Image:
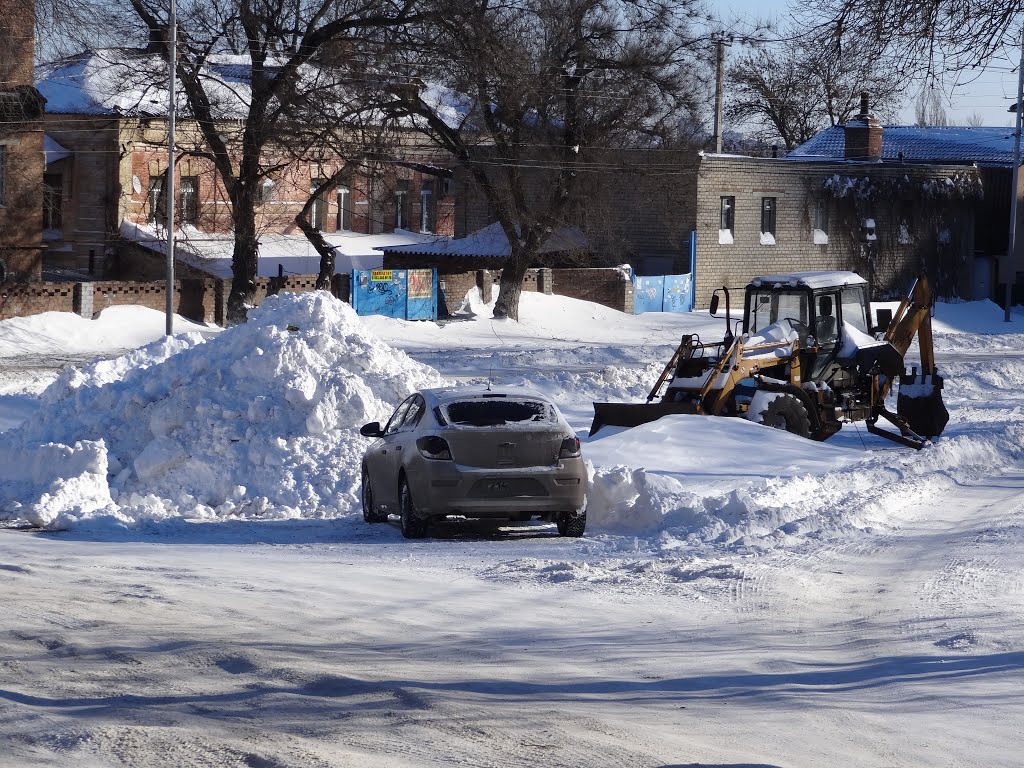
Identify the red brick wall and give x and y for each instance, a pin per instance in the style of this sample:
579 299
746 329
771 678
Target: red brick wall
21 300
204 300
601 286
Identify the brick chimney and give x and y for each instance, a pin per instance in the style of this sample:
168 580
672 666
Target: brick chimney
17 38
863 135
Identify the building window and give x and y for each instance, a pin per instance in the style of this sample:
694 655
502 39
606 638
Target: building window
154 199
402 205
768 209
726 220
820 232
53 194
427 207
188 199
319 209
266 191
344 223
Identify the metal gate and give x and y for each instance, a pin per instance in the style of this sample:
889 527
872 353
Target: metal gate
407 294
666 293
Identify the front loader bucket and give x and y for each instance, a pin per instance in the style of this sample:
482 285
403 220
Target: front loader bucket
920 404
634 414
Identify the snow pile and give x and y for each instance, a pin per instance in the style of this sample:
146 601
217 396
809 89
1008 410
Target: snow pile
700 483
261 420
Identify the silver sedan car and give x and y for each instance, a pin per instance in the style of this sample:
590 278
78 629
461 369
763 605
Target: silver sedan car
474 452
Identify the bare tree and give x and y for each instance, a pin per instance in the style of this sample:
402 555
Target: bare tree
926 37
266 90
797 87
521 92
929 110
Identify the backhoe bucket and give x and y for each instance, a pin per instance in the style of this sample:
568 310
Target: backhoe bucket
920 404
634 414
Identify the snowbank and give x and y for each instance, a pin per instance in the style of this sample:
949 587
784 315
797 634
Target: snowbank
261 420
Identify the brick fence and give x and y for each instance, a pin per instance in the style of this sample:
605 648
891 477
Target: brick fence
205 300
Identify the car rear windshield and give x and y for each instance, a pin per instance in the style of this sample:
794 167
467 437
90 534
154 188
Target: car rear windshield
495 412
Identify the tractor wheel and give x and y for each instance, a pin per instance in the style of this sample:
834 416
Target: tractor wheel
788 413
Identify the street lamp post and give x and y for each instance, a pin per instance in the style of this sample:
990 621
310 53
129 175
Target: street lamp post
1011 246
172 87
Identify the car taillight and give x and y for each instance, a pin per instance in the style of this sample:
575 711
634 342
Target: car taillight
570 448
434 447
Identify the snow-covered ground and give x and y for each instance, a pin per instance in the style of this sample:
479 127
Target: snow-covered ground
187 579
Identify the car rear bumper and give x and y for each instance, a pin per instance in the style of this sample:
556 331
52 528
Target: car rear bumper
453 489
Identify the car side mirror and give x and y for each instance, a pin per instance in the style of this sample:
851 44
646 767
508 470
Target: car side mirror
714 305
371 430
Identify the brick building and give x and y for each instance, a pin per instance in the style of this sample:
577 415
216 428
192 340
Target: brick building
885 221
883 201
21 146
111 167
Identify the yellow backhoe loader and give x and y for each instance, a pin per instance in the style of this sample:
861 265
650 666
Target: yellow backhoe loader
807 361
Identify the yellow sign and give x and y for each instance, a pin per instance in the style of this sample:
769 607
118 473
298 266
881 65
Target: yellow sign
381 275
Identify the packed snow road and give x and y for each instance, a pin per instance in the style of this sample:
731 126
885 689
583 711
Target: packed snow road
350 646
207 593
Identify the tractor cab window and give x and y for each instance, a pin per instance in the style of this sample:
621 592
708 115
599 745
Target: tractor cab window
853 312
826 323
772 306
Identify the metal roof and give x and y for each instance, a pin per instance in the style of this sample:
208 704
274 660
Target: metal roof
949 144
812 280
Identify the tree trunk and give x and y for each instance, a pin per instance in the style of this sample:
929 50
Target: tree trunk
245 257
325 249
511 286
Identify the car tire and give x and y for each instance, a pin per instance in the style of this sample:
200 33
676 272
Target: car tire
370 512
413 526
570 525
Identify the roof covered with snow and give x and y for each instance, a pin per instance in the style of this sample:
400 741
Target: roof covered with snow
811 279
293 254
949 144
491 242
133 82
52 149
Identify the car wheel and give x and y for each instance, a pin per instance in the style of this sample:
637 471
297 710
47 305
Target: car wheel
413 526
571 525
370 513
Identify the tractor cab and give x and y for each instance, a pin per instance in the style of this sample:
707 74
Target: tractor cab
821 308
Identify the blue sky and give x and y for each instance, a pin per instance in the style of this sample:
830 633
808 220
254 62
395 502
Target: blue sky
988 94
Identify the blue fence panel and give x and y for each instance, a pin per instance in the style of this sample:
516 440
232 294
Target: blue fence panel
648 294
407 294
678 294
421 302
666 293
379 292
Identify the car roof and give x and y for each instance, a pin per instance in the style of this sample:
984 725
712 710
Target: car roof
445 395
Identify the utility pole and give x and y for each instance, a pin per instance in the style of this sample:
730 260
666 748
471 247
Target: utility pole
1011 246
719 90
172 64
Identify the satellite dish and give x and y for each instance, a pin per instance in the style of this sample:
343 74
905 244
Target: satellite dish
136 185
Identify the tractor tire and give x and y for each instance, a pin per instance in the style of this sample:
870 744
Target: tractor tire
786 412
370 512
413 526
